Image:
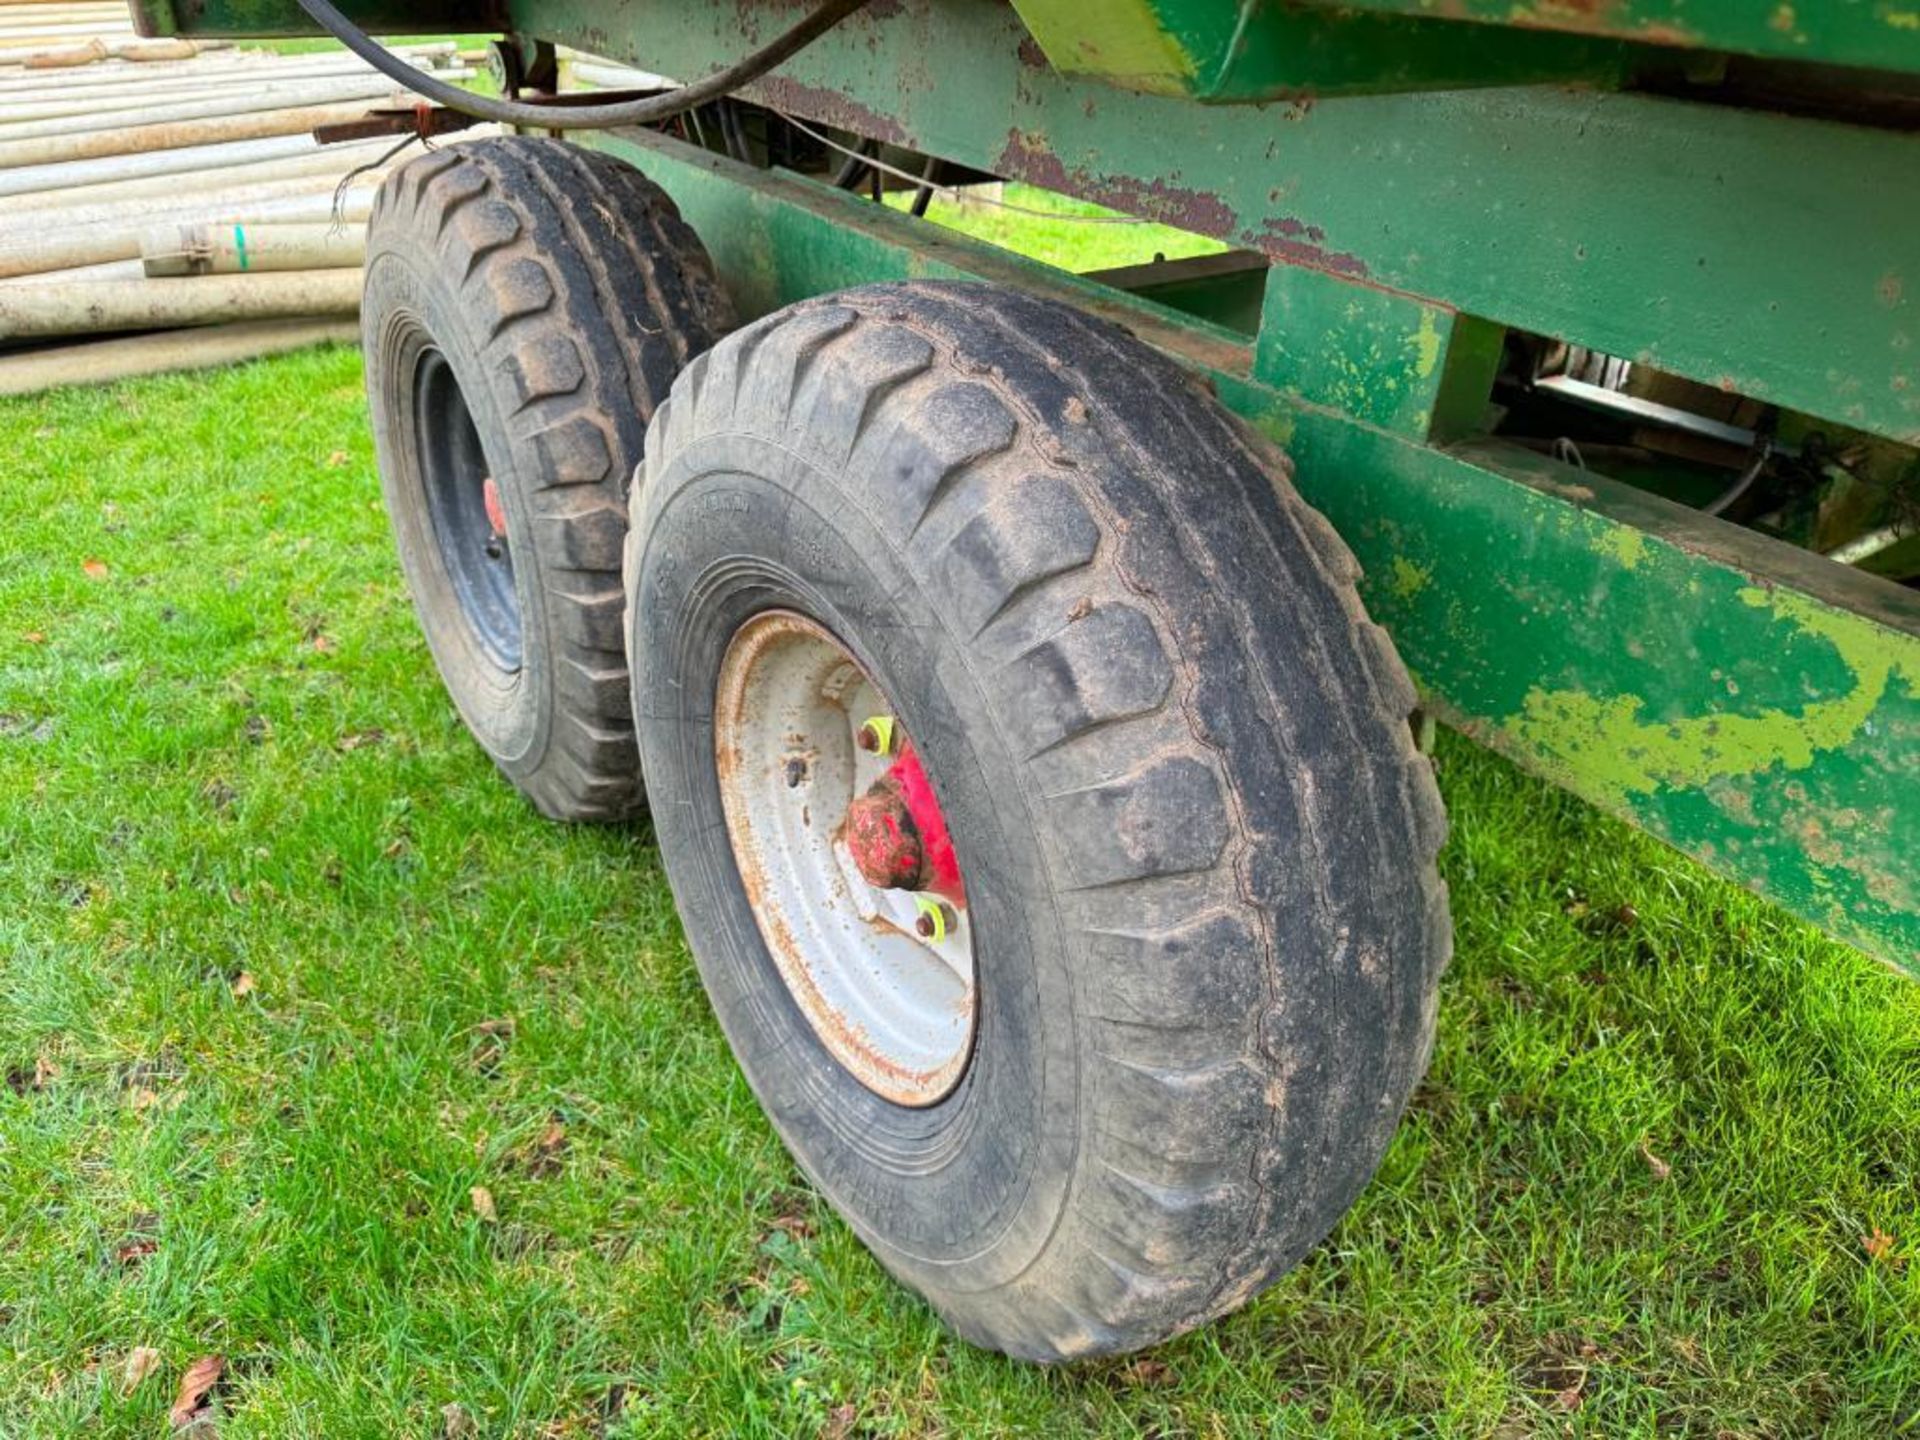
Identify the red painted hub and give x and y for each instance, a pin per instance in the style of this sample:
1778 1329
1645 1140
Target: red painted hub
898 835
496 513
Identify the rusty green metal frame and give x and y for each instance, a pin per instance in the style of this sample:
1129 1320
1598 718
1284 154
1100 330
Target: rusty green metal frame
1763 253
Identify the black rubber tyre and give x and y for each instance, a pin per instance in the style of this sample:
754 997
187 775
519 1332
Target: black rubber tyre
1175 757
527 306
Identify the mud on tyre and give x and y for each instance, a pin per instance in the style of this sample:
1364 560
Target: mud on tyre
1173 755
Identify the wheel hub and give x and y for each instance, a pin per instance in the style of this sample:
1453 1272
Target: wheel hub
846 859
897 834
464 505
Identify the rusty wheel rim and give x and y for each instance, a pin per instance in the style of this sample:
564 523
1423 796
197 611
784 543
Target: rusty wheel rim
883 974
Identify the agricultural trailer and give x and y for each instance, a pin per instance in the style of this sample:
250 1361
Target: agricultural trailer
1005 651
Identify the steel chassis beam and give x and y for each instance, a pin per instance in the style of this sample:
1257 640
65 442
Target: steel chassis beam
1764 253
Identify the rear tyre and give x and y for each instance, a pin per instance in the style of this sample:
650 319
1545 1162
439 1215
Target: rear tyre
1204 922
527 305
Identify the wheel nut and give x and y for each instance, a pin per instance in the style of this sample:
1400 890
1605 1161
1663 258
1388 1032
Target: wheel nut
935 921
876 735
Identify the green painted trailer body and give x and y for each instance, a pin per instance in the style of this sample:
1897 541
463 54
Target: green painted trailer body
1423 177
1236 50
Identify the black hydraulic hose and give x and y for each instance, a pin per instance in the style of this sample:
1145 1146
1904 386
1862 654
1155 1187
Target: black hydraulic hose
580 117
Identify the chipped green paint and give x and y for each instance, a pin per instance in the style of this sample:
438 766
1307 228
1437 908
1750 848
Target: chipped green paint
1376 355
1115 37
1627 546
1409 579
1426 344
1223 51
1605 747
1756 707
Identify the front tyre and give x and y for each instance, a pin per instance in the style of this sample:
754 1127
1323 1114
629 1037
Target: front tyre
1189 918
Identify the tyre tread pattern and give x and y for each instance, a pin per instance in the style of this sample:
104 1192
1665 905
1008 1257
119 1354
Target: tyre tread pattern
1244 832
594 295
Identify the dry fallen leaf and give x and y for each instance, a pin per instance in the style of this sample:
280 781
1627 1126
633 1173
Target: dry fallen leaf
143 1098
488 1051
1879 1245
839 1422
191 1401
141 1362
354 739
336 459
1660 1168
95 569
243 984
456 1423
35 637
21 1080
483 1203
132 1252
323 644
545 1156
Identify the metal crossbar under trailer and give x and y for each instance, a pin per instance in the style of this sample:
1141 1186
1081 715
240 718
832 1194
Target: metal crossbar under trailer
1590 327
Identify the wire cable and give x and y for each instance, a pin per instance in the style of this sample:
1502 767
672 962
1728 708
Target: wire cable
1723 502
580 117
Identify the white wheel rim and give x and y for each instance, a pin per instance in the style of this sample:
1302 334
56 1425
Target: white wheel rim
895 1008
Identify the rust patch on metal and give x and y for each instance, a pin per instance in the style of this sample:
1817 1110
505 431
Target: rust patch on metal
830 107
1292 242
1665 35
1027 156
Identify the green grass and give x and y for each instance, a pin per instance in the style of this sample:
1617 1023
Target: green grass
1057 229
1632 1197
